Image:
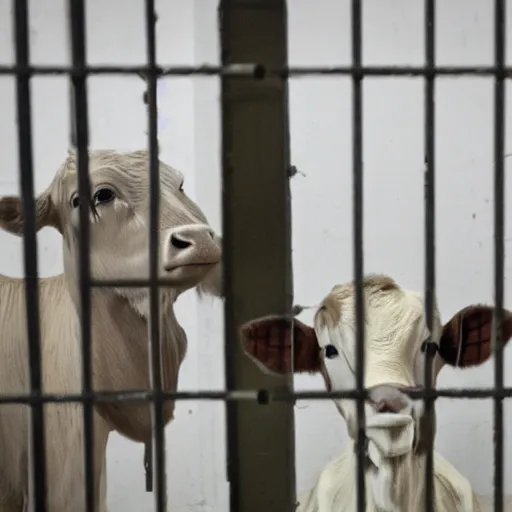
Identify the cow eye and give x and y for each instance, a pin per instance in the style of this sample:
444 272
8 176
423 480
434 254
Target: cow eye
429 348
75 201
331 351
104 195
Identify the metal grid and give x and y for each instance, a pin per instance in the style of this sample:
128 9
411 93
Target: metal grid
254 75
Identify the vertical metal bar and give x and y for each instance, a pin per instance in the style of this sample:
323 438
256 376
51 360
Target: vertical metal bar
24 111
430 249
230 356
358 209
148 465
155 367
499 248
80 137
256 248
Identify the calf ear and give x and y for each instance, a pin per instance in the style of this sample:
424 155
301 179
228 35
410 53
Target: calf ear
466 338
268 341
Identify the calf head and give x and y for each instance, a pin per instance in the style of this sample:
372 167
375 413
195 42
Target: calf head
395 352
119 219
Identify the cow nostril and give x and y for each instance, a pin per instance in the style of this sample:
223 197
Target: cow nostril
179 243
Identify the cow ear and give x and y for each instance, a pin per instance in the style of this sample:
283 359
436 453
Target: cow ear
466 338
268 342
12 219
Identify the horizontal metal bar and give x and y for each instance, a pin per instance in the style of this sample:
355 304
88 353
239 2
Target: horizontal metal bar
262 396
128 283
258 71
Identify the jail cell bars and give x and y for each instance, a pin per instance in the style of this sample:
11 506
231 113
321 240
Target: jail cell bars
254 75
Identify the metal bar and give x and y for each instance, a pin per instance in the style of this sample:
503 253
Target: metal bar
141 396
128 283
251 70
230 356
80 137
148 466
499 247
155 364
358 209
258 274
25 155
430 249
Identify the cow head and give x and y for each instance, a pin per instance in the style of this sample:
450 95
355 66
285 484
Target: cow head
119 219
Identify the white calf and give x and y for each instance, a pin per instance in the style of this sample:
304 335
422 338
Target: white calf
395 352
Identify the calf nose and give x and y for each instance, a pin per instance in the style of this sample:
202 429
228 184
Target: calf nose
386 398
389 405
190 245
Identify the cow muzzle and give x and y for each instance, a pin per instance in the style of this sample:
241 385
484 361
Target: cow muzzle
391 427
189 253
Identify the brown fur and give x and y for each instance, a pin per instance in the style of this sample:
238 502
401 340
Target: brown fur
269 341
474 323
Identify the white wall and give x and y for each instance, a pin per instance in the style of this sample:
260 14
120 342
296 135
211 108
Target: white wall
320 111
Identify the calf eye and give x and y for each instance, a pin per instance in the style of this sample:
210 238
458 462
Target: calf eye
75 201
103 195
330 351
429 347
181 186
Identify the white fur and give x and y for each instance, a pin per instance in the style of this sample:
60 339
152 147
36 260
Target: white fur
336 488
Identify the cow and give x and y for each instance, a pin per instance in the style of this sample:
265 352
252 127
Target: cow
189 256
396 426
